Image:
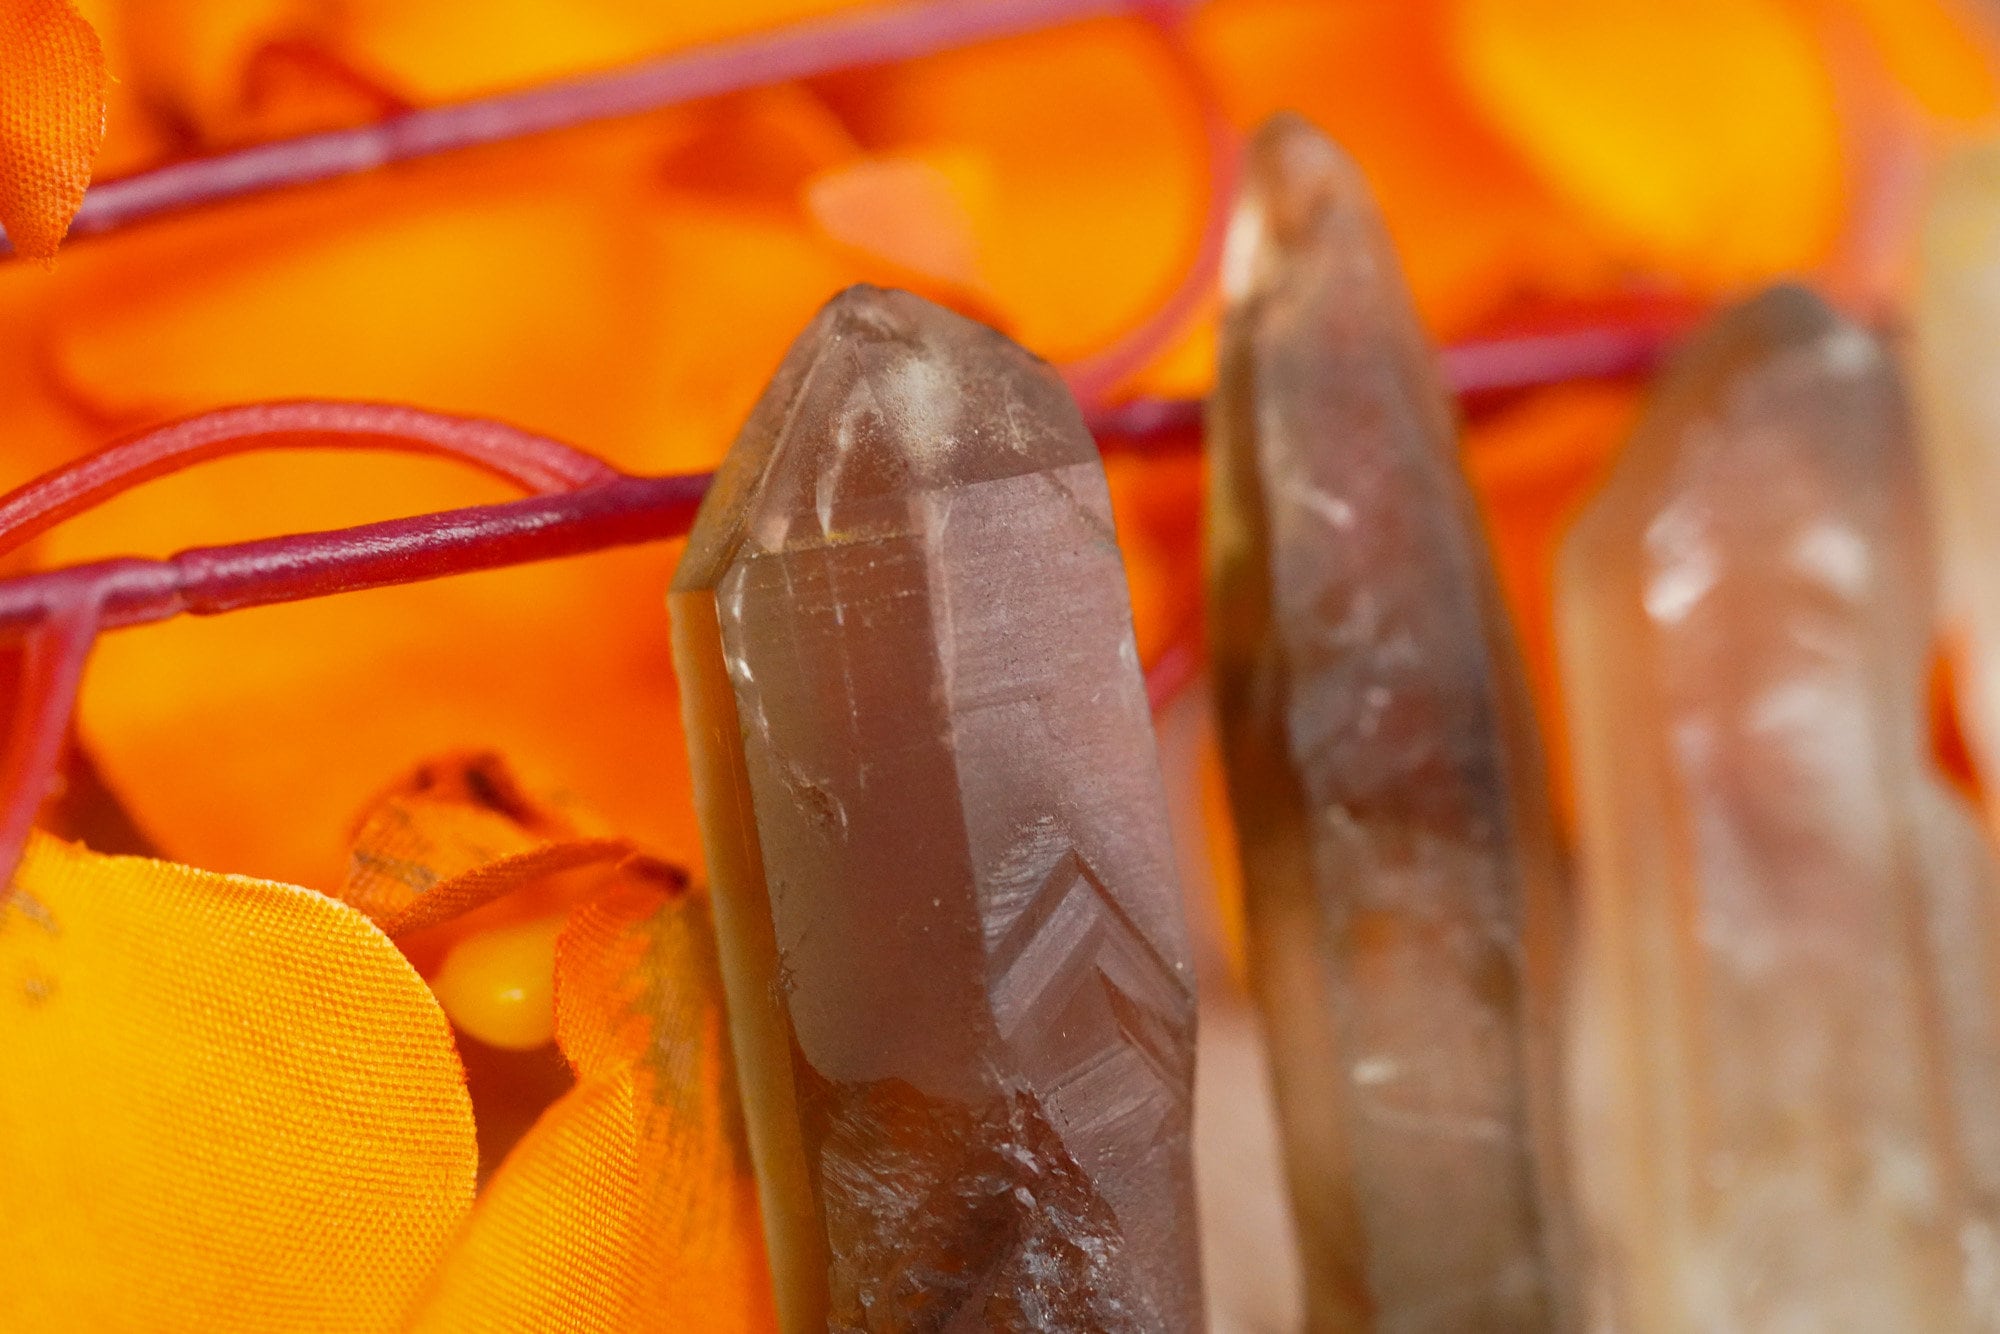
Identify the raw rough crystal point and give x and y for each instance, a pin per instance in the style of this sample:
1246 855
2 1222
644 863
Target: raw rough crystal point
1786 1103
933 814
1403 891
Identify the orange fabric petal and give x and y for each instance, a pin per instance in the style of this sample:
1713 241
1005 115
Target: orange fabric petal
474 874
758 148
1702 133
297 86
1949 746
1093 147
563 666
457 834
1932 48
1476 228
134 134
630 1205
551 1244
1157 505
638 988
445 900
190 56
500 292
51 119
556 286
917 212
443 50
229 1105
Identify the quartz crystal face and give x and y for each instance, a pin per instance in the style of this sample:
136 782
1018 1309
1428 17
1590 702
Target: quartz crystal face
1785 1095
1402 892
933 814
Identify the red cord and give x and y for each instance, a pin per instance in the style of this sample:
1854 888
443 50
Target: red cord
533 462
1094 378
52 661
867 38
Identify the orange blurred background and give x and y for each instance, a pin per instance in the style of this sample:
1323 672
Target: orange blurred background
629 286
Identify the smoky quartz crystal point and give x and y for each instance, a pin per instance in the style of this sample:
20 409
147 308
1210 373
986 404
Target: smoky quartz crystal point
1787 1115
957 970
1403 892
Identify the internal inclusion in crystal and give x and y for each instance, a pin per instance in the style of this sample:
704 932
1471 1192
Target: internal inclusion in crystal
934 820
1403 896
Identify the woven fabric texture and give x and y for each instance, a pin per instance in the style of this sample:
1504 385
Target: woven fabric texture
226 1105
52 84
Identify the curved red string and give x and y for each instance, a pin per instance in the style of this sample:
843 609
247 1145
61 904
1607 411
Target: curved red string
533 462
1094 378
51 671
803 50
57 614
63 612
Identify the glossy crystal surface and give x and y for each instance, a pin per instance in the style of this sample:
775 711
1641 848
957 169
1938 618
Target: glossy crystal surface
1402 889
933 813
1786 1098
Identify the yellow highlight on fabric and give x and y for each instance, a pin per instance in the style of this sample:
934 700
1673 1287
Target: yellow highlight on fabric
226 1105
1702 134
630 1206
233 1105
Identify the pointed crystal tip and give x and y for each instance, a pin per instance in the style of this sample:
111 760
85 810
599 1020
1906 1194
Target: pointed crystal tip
1782 321
1299 187
1781 428
884 395
1783 358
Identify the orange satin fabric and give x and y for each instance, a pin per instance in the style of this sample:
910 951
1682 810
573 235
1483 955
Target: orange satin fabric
52 81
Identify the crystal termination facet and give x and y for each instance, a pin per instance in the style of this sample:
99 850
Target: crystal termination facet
935 825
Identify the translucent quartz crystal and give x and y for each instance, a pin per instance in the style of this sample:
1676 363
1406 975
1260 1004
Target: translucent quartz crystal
1399 861
933 815
1785 1095
1957 326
